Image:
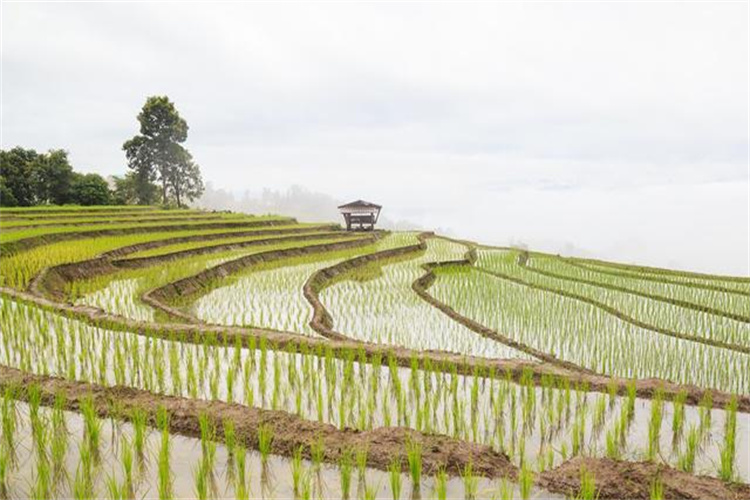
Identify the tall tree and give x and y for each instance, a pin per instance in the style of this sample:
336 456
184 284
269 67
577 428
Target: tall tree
157 153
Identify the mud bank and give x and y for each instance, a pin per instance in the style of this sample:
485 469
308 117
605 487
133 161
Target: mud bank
619 480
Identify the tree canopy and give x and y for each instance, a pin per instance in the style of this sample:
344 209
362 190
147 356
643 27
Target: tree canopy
157 154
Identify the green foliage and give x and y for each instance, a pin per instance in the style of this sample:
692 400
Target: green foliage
90 189
157 154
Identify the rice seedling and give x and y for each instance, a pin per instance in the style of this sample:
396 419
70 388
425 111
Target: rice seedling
164 480
345 472
441 484
686 461
242 479
414 458
471 482
297 470
525 481
394 474
265 440
587 488
656 492
654 426
729 446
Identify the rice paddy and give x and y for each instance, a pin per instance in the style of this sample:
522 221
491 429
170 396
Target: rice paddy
559 352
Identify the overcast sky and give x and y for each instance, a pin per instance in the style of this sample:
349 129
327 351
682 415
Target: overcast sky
608 129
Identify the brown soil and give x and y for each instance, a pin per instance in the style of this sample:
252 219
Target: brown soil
632 480
289 431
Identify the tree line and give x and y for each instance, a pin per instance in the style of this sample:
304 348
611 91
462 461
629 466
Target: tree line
160 169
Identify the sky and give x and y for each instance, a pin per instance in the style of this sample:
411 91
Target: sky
612 130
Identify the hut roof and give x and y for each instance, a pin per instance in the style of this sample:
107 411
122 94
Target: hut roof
360 204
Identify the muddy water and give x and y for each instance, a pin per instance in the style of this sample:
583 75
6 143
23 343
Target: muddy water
272 480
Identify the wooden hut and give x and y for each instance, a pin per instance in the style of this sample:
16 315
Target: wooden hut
360 215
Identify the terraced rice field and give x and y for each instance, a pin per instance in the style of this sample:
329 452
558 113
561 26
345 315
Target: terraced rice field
151 353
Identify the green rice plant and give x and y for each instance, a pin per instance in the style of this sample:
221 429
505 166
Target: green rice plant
317 453
115 491
361 459
345 472
9 422
370 492
394 473
613 442
686 462
92 426
126 459
525 481
265 440
654 426
201 480
241 481
83 482
230 439
297 470
729 446
441 483
42 488
58 451
164 476
678 415
706 404
414 457
471 482
4 468
656 491
587 488
504 490
139 419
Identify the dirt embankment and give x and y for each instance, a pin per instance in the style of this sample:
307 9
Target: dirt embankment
11 247
289 431
160 298
617 480
682 303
